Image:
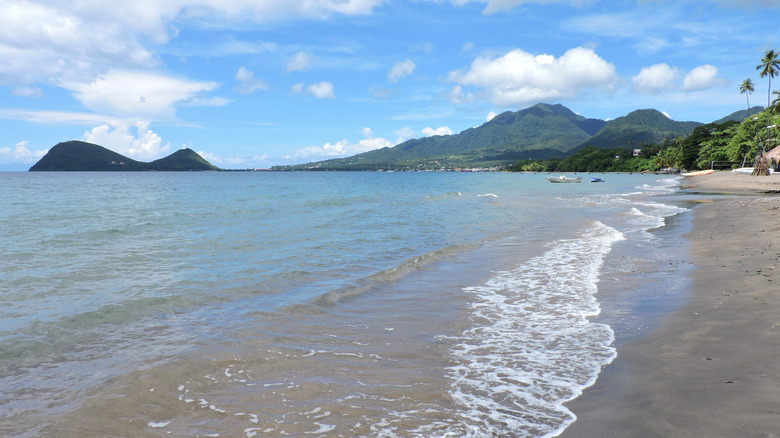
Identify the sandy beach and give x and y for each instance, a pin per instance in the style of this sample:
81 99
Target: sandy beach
712 369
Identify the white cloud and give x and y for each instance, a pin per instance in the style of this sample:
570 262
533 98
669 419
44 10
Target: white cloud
342 148
28 91
404 134
620 25
20 154
298 88
403 68
140 94
491 115
441 130
235 162
651 45
702 78
55 117
662 77
53 41
518 77
656 78
493 6
248 82
320 90
145 147
300 62
458 95
65 42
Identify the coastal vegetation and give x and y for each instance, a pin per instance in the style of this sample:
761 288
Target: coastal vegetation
714 145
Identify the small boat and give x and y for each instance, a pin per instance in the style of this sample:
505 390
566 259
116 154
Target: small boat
596 179
698 173
749 170
564 179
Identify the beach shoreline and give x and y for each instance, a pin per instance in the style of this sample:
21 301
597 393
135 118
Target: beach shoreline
710 369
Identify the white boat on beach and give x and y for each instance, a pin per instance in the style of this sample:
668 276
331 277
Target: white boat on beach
564 179
749 170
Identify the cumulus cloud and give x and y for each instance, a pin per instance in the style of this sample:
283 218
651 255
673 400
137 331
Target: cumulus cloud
72 41
20 154
300 62
403 68
441 130
140 94
518 77
661 77
701 78
342 148
142 145
320 90
656 78
248 82
491 115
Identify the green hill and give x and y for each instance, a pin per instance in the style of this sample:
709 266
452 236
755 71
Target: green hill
183 159
640 126
82 156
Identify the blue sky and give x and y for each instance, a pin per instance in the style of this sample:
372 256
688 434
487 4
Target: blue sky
256 83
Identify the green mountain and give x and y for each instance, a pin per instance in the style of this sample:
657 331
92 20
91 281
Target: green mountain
82 156
540 131
640 126
740 116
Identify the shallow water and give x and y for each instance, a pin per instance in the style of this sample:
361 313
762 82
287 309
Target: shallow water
312 304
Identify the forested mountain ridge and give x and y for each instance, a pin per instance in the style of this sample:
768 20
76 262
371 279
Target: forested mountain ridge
639 127
539 132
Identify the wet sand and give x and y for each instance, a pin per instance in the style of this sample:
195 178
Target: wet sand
712 369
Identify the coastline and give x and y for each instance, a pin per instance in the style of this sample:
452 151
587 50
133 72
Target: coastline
710 369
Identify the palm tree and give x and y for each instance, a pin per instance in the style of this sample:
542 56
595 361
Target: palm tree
747 88
770 66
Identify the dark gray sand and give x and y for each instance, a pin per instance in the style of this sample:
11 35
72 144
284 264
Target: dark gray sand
712 369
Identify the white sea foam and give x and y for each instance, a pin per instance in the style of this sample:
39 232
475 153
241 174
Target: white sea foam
532 346
159 424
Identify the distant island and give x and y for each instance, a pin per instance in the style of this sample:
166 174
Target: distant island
87 157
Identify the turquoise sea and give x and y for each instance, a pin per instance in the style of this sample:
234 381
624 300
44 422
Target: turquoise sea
270 304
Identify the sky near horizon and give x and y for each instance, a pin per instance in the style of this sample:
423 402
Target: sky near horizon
257 83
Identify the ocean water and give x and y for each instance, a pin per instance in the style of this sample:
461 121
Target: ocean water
264 304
